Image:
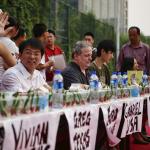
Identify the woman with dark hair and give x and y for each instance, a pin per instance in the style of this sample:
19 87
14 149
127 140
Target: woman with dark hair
129 63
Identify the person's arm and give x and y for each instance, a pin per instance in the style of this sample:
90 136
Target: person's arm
7 56
70 77
10 82
44 66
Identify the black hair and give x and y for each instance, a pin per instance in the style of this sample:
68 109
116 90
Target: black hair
52 31
12 22
106 45
39 29
34 43
89 34
21 32
127 64
137 29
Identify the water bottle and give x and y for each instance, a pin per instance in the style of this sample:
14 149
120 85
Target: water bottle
114 80
94 86
145 79
114 85
119 80
57 97
57 82
94 81
125 80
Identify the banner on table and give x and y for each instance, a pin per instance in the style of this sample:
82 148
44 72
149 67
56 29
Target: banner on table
133 113
148 110
112 118
82 126
36 131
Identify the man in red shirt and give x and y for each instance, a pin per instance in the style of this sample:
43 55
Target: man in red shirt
51 50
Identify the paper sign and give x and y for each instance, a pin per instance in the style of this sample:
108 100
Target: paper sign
82 126
133 114
31 132
112 117
59 61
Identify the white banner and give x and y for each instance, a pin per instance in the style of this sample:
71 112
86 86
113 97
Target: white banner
83 126
133 114
112 116
35 131
148 110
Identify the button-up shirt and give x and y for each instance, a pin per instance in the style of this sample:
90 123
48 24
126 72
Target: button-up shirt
141 53
18 79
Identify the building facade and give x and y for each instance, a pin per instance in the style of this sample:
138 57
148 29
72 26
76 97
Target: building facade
107 10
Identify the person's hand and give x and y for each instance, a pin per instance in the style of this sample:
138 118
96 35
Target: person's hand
3 22
49 64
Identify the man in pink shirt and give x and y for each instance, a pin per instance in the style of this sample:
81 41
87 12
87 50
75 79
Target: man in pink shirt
137 49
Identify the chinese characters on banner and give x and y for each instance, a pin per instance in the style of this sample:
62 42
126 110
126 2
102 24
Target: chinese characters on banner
31 132
133 113
83 126
112 117
148 110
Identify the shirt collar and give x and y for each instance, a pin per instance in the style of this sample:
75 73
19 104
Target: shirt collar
139 46
25 73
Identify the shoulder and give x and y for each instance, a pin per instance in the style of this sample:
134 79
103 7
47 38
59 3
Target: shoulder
145 45
58 48
125 45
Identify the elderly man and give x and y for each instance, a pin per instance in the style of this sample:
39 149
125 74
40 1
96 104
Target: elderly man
137 49
76 70
24 76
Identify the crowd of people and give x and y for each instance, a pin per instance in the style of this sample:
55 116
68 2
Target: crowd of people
25 63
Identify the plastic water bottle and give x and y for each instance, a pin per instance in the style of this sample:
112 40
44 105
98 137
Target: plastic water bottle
57 82
119 79
94 86
145 79
114 80
125 80
114 85
57 96
94 81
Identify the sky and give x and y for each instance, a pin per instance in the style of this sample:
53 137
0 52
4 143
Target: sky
138 15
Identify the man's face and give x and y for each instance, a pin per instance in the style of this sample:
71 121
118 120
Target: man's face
84 59
51 39
106 56
30 58
134 37
89 40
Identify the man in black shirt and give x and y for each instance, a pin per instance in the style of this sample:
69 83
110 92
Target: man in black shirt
76 72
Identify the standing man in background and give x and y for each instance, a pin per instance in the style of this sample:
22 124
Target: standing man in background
89 39
137 49
51 50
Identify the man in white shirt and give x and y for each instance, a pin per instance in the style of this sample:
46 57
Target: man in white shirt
24 76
